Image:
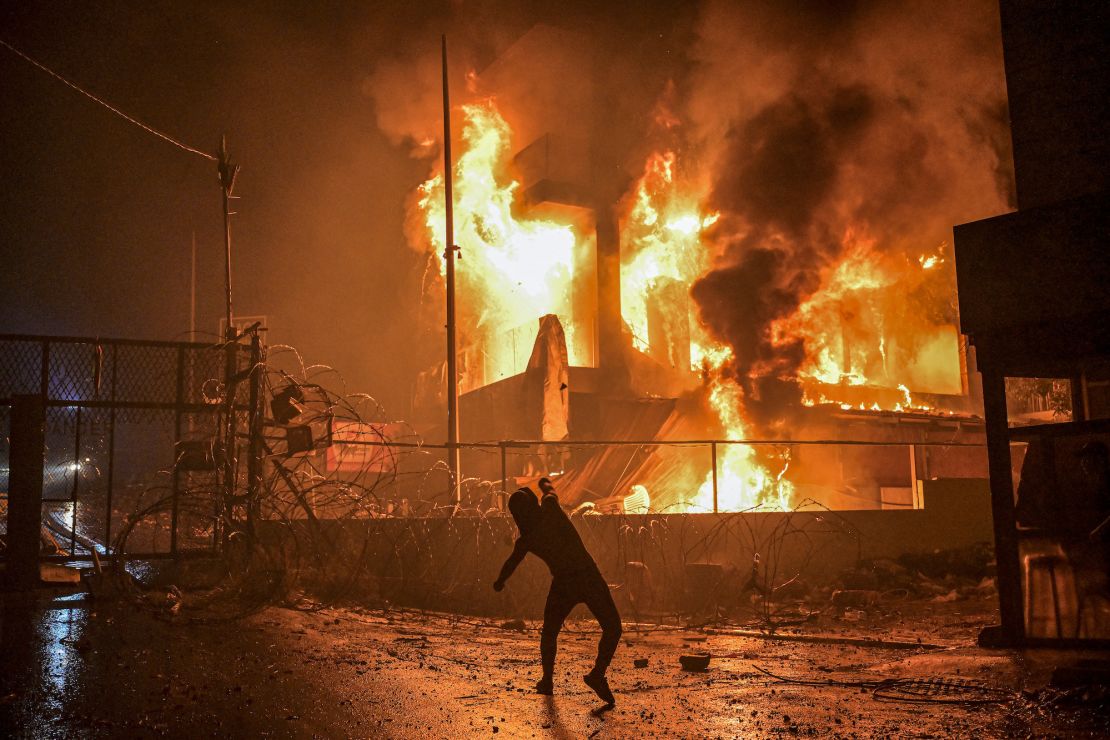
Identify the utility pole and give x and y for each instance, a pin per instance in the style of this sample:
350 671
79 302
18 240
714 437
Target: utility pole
193 293
228 172
193 315
449 258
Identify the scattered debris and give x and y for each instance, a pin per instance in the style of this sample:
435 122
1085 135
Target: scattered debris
173 600
969 563
876 587
936 690
1089 674
695 662
835 640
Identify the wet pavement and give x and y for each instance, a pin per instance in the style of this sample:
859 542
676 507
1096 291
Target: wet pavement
82 669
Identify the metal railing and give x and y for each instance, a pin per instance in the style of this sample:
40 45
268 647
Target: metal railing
919 461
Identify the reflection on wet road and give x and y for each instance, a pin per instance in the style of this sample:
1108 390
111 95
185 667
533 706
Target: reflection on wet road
109 669
41 640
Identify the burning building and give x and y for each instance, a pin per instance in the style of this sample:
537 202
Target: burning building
654 269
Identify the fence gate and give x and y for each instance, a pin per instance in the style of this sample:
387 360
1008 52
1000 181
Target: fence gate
129 423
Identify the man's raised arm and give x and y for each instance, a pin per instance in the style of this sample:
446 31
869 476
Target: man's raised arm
549 502
550 508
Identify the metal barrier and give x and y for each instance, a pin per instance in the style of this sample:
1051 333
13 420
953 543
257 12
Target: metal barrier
858 474
120 413
129 422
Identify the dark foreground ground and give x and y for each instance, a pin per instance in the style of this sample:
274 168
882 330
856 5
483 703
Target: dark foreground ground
73 669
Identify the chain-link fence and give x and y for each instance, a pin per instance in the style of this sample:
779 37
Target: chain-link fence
126 420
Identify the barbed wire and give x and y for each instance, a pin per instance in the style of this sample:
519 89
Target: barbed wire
369 519
320 539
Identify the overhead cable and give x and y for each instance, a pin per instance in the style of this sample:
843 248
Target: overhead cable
117 111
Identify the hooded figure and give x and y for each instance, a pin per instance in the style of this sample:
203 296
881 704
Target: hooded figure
525 510
546 532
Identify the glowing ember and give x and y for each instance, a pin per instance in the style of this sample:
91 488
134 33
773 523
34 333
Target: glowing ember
928 262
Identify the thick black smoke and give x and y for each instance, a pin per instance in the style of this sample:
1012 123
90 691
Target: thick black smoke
880 122
783 169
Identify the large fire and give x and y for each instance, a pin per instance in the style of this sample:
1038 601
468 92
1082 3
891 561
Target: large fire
662 254
867 340
521 268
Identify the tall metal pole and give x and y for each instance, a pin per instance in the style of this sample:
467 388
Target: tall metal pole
713 449
193 293
449 258
192 316
228 172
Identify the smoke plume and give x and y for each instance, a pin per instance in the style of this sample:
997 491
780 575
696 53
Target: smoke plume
827 123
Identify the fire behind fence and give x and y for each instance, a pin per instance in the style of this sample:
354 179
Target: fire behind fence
330 498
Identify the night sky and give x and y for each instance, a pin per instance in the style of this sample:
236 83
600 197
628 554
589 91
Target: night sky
98 215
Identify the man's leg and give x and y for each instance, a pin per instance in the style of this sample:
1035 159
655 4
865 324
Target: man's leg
560 601
600 602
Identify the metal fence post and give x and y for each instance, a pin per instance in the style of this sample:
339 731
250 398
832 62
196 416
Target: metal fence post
714 449
111 458
1007 554
915 488
504 477
231 366
254 430
179 400
28 448
76 482
44 372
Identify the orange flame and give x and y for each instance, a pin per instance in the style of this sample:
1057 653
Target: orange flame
866 343
662 254
514 270
861 334
661 246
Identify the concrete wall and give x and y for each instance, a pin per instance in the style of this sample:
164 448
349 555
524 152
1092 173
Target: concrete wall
448 564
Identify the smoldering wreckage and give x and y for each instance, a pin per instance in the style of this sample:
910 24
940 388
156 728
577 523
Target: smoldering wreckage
745 376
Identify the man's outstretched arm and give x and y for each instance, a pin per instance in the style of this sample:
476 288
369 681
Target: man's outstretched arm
520 549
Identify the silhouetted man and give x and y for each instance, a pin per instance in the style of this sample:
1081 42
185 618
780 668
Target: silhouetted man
546 531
